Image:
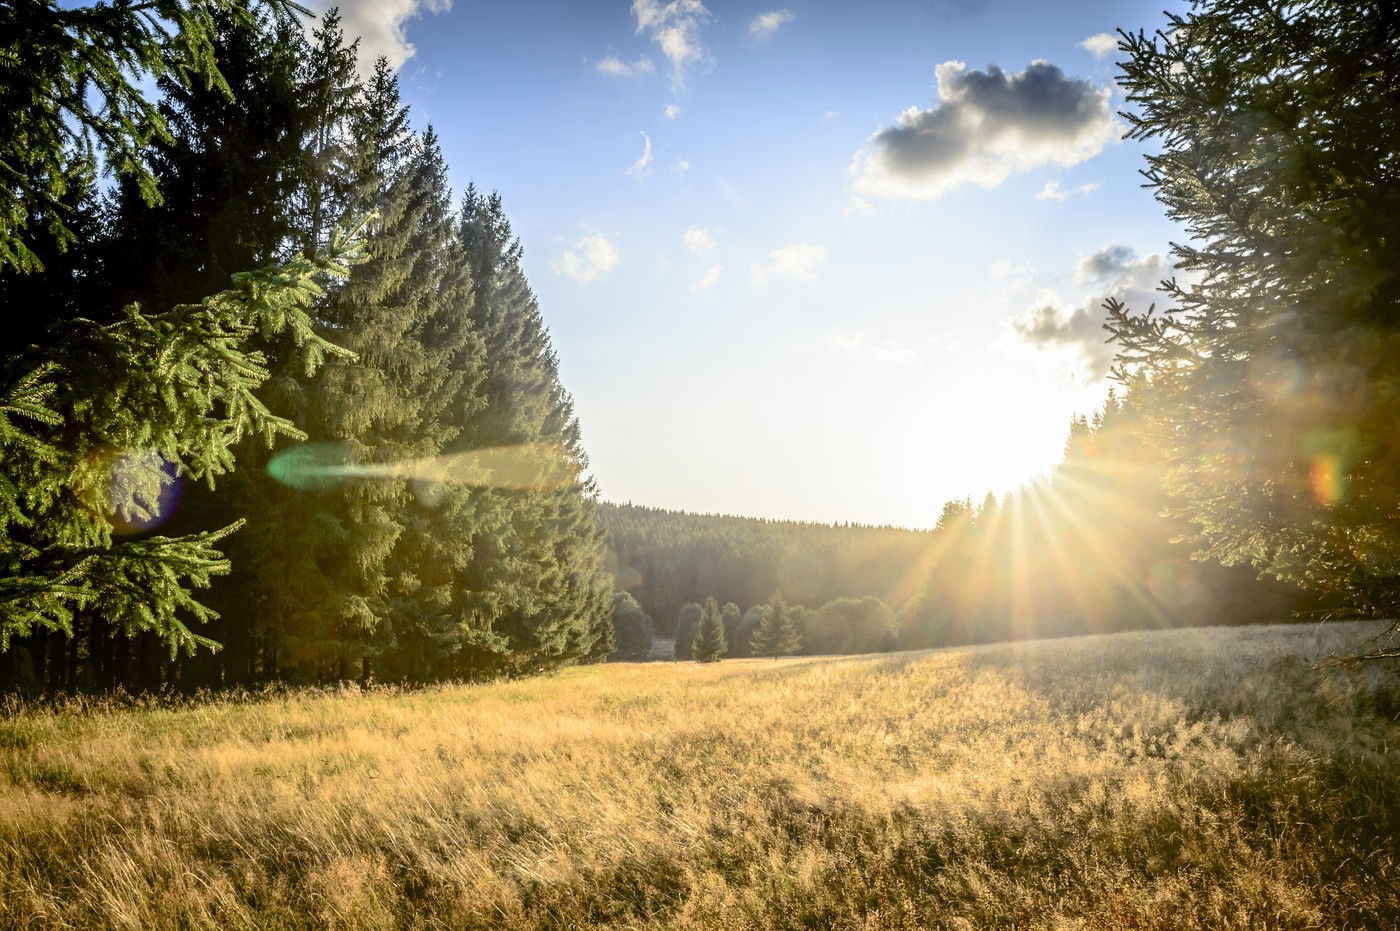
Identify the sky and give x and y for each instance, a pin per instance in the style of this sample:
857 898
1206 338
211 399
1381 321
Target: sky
816 260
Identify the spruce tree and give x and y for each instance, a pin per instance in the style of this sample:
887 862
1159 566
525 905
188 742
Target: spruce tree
370 412
1272 381
741 644
228 170
235 175
115 402
709 645
74 87
113 414
776 635
438 514
534 593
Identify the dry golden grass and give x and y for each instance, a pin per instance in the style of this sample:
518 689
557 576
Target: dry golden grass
1164 780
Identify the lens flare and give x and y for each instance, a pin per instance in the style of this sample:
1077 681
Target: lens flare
144 491
525 467
1326 480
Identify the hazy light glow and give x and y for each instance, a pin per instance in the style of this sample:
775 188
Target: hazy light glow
530 466
700 366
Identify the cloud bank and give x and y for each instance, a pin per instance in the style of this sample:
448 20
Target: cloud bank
590 257
986 126
379 25
1114 271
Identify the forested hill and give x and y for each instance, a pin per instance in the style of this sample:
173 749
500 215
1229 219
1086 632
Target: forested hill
667 558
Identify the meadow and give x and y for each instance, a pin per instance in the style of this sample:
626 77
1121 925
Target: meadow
1201 778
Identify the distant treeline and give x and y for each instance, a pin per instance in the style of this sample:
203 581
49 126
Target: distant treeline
668 558
366 533
1086 550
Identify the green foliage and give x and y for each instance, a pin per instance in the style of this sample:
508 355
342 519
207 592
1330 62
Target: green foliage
687 625
680 557
536 593
730 616
850 625
112 415
416 560
1272 387
709 644
777 634
632 629
71 86
739 644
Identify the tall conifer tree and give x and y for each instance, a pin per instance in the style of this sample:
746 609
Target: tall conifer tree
535 592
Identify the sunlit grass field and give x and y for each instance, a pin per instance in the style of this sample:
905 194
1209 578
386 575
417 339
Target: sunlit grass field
1160 780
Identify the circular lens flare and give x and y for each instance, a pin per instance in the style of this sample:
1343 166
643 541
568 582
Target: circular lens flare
145 491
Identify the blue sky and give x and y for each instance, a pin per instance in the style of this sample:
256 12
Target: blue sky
781 298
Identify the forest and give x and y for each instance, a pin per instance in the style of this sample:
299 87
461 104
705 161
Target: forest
278 290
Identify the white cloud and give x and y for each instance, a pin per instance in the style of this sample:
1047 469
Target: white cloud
859 341
1114 271
675 26
857 206
798 260
697 241
707 280
672 111
619 68
765 24
845 339
591 257
985 126
641 168
379 25
1008 282
681 167
1053 191
1100 44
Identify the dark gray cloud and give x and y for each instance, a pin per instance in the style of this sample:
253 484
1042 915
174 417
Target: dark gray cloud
985 126
1115 271
1108 263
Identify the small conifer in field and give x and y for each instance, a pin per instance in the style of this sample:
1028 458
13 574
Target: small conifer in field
709 643
776 635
